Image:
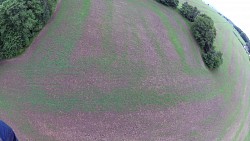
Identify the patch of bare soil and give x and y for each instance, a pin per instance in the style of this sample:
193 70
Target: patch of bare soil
172 83
57 84
90 45
183 122
160 35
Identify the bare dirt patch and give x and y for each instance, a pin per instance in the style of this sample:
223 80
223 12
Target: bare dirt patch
119 30
170 84
90 45
161 36
58 84
175 123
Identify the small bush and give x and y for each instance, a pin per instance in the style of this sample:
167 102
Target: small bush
204 32
172 3
189 11
212 59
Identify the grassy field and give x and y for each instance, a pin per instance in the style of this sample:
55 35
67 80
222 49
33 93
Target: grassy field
125 70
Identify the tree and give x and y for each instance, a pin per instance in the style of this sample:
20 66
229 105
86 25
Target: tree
189 11
212 59
16 25
20 21
204 32
172 3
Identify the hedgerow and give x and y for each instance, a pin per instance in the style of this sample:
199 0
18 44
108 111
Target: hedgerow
172 3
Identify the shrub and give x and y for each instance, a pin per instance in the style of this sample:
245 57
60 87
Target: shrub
172 3
20 22
212 59
204 32
189 11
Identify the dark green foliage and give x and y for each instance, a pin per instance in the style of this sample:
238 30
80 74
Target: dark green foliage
242 34
212 59
204 32
172 3
189 11
244 37
238 29
1 1
20 22
248 44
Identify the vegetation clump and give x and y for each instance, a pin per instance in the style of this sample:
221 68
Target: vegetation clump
172 3
189 11
212 59
205 33
203 30
20 21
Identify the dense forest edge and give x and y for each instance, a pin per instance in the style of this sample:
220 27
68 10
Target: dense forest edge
21 21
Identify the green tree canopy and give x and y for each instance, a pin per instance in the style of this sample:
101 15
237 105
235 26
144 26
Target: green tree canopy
204 32
212 59
172 3
20 22
189 11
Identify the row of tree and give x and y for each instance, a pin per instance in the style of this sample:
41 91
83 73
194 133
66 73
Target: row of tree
172 3
244 36
203 31
20 21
